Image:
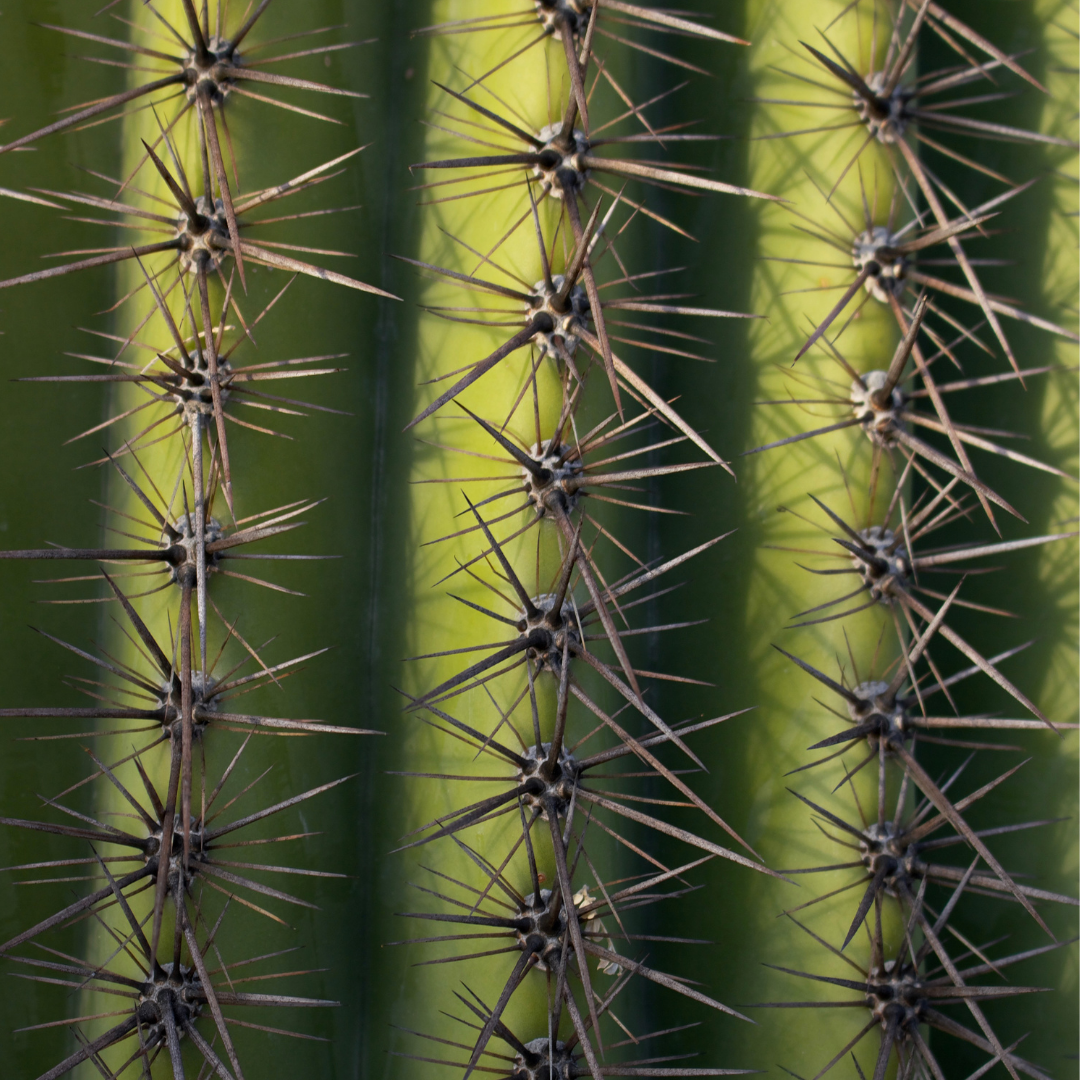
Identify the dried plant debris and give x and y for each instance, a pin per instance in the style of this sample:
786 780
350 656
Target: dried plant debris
558 932
565 845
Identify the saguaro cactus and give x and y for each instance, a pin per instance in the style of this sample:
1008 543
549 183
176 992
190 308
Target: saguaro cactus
648 649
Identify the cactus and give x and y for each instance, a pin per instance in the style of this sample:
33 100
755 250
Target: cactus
746 298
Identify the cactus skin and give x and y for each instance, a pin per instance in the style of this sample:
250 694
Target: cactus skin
1041 238
753 590
40 494
375 522
435 621
758 589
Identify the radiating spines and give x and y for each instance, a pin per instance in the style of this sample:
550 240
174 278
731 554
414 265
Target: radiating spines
579 27
571 781
197 232
559 478
905 869
889 714
210 65
894 262
571 166
565 1051
172 696
180 534
885 404
919 984
892 106
892 714
569 319
878 401
576 933
555 481
175 377
146 848
213 64
892 720
552 778
153 694
169 548
884 554
555 315
550 627
174 994
889 108
892 853
199 241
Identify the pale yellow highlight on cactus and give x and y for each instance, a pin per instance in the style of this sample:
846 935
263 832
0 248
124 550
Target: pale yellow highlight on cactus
437 622
163 464
138 316
160 470
783 478
795 298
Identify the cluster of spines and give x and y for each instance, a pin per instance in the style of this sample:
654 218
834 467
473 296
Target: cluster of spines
905 895
579 771
168 885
